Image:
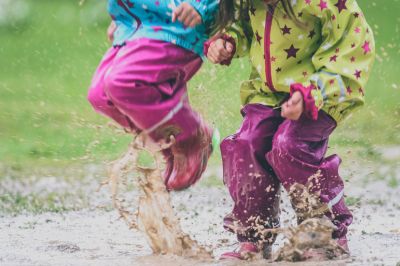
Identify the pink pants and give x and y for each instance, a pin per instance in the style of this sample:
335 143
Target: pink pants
142 86
269 151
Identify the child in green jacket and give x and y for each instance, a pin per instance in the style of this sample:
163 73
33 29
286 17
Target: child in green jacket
311 60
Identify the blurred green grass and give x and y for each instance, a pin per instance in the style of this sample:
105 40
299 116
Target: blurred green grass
48 59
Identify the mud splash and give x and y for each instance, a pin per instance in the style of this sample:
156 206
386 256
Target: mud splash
312 238
307 204
155 215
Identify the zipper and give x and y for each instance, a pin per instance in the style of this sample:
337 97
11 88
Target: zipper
267 47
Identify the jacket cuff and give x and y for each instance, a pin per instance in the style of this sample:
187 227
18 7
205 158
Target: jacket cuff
226 38
200 8
310 110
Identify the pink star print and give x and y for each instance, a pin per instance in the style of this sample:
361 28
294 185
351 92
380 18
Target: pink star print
357 30
323 5
291 52
157 28
366 47
308 2
341 5
357 74
259 38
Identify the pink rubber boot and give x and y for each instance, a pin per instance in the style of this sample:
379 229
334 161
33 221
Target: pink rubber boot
190 159
245 251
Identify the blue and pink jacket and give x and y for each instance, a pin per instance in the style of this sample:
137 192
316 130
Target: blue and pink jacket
152 19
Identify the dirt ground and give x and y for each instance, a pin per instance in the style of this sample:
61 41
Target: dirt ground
94 235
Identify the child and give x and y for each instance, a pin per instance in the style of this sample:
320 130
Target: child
141 81
312 59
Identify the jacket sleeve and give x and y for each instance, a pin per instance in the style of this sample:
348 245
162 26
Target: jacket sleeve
206 8
343 61
242 35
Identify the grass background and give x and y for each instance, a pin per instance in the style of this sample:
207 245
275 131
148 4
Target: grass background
47 60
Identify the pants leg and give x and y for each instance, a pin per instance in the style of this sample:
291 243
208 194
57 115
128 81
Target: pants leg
147 82
252 184
298 153
97 97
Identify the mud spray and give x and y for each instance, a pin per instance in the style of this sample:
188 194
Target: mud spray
312 238
155 215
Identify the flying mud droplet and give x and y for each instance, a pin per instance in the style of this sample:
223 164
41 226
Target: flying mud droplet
155 216
312 238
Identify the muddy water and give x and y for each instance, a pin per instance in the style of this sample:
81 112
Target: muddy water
93 235
312 236
155 216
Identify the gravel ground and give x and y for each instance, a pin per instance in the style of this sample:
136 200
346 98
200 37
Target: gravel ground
87 231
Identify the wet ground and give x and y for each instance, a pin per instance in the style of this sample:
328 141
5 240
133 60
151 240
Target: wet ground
89 232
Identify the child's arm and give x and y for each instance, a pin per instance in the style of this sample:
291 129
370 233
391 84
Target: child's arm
242 35
220 49
234 42
110 31
193 12
343 61
294 107
206 8
186 14
239 35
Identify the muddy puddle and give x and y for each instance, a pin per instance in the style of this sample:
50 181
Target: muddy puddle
155 216
94 234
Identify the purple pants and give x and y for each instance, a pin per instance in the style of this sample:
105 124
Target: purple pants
142 86
268 151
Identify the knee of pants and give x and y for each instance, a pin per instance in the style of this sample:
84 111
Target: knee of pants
112 86
305 151
239 144
124 90
97 99
284 143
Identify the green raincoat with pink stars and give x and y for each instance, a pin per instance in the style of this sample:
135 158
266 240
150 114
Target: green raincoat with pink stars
328 56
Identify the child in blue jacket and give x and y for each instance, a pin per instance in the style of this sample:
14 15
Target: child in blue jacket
141 81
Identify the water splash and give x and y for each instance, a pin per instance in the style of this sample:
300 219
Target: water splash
155 216
312 238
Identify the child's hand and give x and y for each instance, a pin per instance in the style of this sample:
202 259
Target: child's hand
110 31
219 50
293 108
186 14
